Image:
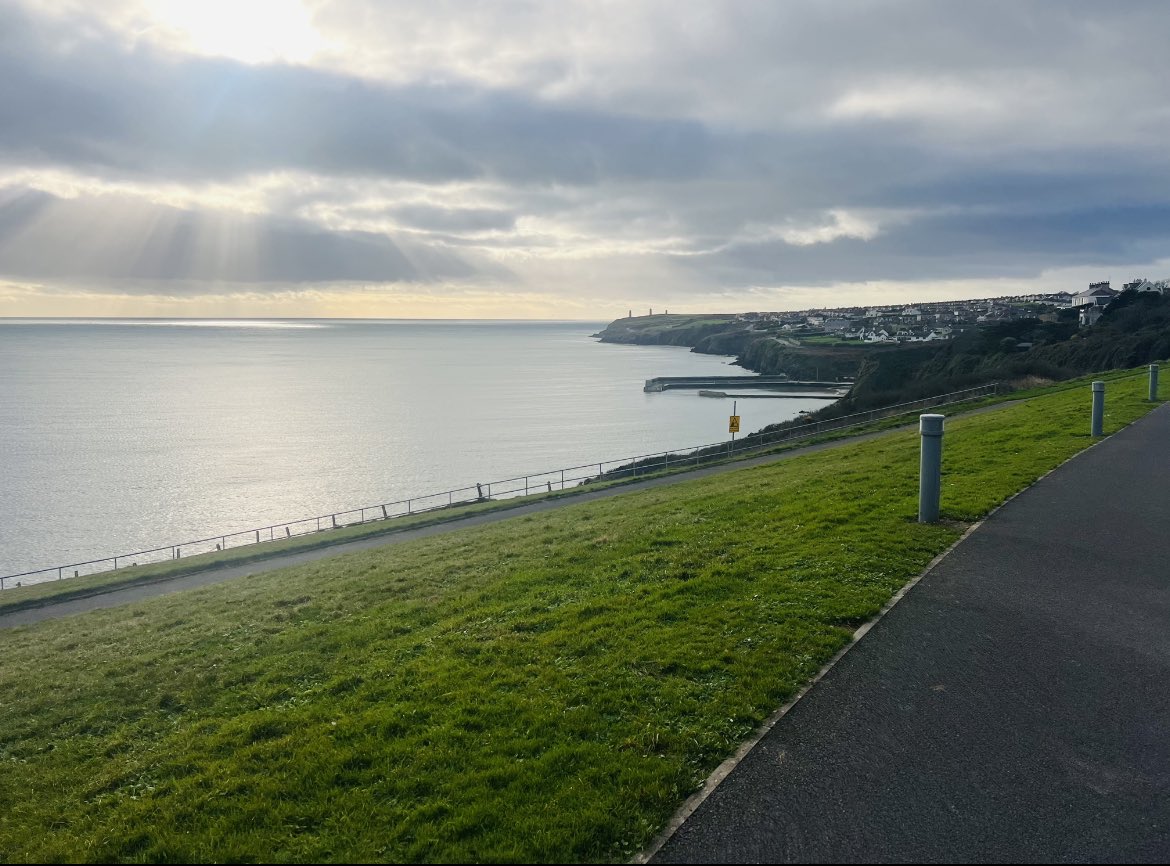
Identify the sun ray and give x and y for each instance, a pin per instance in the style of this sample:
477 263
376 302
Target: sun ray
251 31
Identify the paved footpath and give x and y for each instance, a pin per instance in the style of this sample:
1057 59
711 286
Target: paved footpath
1014 706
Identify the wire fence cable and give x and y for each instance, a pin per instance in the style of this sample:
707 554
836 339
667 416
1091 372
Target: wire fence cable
526 485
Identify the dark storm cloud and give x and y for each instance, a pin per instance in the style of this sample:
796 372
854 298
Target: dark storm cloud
956 246
113 238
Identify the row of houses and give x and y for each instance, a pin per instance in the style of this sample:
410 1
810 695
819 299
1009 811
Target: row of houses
1100 294
939 320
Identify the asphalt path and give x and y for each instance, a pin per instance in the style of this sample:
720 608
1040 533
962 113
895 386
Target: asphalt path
115 597
1013 707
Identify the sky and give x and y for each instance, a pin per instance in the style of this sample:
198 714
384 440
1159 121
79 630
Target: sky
574 160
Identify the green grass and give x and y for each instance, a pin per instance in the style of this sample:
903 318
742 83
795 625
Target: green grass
827 340
663 322
35 595
546 688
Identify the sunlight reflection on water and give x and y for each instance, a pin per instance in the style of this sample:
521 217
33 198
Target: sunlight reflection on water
119 437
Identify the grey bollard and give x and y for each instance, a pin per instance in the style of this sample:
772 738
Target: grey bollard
930 467
1153 383
1098 408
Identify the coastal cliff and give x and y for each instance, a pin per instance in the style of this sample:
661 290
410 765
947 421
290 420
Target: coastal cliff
1133 330
708 335
756 350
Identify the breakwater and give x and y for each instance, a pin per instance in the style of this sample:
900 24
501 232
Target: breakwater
771 383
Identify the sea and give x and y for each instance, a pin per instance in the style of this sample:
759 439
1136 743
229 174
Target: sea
128 434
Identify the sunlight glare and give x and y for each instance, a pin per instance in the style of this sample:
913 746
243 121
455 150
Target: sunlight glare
251 31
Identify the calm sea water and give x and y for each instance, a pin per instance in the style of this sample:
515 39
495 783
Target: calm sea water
122 435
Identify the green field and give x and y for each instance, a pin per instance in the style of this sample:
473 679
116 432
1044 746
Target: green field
547 688
827 340
36 595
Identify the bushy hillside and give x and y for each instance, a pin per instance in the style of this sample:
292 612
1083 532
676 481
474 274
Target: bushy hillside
1134 330
770 356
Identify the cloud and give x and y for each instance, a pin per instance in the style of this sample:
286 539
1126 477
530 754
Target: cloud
834 225
954 246
141 113
694 150
449 219
108 238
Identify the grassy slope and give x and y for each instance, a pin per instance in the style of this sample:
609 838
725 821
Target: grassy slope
546 688
17 598
665 322
36 595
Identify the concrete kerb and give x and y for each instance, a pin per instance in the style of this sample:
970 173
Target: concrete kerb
721 772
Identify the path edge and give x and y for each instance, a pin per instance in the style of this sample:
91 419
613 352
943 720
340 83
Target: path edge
692 803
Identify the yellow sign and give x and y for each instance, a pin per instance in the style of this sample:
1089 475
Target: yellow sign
733 426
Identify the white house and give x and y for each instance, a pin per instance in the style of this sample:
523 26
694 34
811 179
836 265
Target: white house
1098 294
1142 285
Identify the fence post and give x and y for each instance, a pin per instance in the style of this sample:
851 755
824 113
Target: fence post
1098 428
930 467
1153 383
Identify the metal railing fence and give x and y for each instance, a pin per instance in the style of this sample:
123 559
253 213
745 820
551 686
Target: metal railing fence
526 485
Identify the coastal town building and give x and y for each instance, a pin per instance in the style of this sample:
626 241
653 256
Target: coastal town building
1144 285
939 320
1089 315
1098 294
